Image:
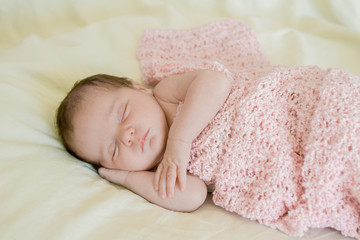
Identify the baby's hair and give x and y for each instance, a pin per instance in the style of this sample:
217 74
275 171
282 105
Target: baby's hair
73 99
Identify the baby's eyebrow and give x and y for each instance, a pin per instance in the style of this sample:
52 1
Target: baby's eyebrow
112 107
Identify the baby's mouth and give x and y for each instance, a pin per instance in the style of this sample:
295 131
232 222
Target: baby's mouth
143 139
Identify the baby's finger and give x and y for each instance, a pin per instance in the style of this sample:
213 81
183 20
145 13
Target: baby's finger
157 177
112 175
182 178
162 183
103 172
109 174
171 180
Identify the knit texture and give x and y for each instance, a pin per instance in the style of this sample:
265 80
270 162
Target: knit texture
284 149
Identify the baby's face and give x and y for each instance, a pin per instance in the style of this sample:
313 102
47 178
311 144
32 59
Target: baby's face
120 129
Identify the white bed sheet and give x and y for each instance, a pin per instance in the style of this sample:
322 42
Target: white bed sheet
46 45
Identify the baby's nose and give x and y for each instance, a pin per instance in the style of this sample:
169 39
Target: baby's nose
128 136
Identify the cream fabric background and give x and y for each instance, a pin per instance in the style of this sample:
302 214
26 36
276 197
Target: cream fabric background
46 45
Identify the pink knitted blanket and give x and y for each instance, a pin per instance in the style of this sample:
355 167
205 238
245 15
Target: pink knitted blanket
284 149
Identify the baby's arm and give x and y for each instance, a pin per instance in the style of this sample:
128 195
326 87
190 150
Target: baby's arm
141 183
202 92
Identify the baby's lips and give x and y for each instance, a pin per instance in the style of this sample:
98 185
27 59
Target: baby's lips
143 139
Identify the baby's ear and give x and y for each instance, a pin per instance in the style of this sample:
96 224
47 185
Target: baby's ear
140 87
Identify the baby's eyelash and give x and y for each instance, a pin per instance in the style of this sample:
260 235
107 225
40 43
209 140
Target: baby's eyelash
121 114
124 112
114 152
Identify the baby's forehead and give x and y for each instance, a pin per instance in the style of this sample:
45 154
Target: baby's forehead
91 92
98 89
91 95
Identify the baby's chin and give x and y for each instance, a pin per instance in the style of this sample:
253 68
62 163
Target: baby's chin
157 143
155 163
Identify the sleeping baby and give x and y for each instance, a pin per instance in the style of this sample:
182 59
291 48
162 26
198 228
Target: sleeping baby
279 144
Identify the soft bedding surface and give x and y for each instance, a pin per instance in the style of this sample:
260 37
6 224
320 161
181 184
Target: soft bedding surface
47 45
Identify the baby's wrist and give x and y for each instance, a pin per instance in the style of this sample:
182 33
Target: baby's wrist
180 135
179 140
179 143
125 182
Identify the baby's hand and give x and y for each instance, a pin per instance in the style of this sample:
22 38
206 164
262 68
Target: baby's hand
172 167
114 176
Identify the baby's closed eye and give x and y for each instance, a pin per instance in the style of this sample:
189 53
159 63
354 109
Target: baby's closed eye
123 113
112 150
